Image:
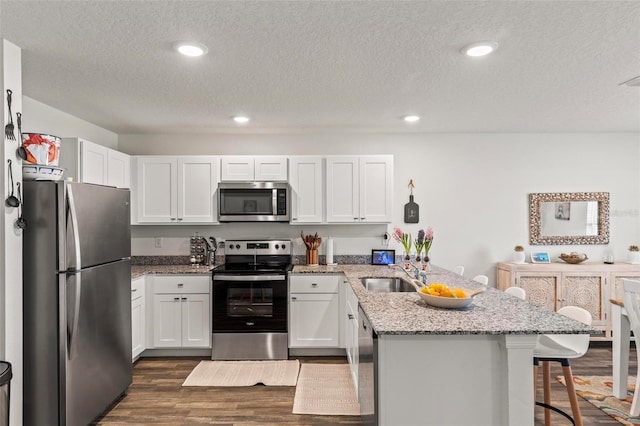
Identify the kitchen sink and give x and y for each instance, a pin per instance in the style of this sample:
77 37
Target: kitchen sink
386 285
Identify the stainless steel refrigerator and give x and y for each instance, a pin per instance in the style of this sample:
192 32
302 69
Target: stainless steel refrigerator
77 301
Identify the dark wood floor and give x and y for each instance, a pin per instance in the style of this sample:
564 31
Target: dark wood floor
157 397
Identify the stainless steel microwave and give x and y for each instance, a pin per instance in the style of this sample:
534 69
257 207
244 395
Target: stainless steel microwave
254 202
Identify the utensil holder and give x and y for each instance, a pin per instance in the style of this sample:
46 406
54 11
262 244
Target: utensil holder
312 256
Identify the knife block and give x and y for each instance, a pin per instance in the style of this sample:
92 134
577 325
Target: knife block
312 256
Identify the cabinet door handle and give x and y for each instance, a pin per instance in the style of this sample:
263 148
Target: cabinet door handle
179 219
350 316
184 298
133 290
362 218
180 284
294 298
175 299
173 218
314 285
355 218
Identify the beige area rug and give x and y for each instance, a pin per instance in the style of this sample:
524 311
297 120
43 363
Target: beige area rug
326 389
598 390
244 373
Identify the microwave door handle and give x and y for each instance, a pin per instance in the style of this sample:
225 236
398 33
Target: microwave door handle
274 202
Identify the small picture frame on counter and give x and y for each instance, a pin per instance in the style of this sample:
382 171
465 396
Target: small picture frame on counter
383 257
540 257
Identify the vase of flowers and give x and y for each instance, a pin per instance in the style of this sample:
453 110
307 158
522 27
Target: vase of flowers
405 240
428 240
634 255
518 255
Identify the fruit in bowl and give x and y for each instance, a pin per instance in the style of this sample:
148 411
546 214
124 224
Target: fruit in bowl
442 290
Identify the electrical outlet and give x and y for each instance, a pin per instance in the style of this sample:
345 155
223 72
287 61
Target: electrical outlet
158 242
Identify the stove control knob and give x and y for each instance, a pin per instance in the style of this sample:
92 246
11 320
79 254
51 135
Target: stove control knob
277 246
284 247
238 246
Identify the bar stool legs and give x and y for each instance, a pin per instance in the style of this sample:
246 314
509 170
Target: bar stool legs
571 391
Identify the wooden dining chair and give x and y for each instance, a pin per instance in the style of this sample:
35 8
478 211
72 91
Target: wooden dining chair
631 299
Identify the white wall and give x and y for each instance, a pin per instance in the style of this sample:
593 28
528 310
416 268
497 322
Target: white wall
11 247
40 118
471 188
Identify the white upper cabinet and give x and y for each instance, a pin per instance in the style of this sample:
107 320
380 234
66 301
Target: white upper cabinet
176 189
244 168
305 178
118 169
89 162
359 189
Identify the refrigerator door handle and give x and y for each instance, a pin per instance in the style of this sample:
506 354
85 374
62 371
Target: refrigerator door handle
71 333
73 214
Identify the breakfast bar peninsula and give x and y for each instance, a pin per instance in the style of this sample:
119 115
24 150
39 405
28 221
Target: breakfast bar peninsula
434 366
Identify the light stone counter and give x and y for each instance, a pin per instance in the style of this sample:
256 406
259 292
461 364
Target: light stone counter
140 270
492 312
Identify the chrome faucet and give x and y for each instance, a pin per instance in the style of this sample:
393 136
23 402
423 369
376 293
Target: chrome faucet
417 272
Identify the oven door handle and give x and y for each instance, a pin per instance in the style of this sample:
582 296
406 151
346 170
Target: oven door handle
249 277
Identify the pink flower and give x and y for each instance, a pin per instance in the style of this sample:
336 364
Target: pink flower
429 234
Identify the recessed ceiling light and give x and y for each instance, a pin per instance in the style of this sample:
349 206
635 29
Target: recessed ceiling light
191 48
411 118
480 49
241 119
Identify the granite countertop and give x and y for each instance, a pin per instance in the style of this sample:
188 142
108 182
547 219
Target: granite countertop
139 270
491 313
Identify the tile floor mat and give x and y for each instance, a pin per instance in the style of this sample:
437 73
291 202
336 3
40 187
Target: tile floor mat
598 390
244 373
326 389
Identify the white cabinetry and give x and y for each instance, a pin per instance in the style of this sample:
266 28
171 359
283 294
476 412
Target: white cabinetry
89 162
176 189
305 178
359 189
248 168
314 311
181 311
138 327
351 322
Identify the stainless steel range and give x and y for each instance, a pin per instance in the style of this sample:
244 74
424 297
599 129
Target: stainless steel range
250 301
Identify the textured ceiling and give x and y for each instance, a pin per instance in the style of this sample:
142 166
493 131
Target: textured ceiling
332 65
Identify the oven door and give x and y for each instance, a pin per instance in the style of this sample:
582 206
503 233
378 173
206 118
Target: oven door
249 303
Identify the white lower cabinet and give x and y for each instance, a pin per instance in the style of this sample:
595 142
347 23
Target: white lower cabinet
314 311
181 311
138 328
351 321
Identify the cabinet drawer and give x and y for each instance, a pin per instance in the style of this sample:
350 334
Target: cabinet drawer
314 283
137 288
180 284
